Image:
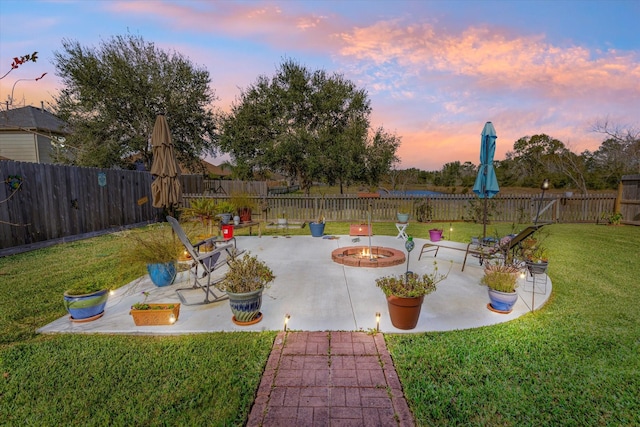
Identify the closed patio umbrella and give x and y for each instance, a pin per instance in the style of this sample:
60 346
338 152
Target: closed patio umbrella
486 185
165 188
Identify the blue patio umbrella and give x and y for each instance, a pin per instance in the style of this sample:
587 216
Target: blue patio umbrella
486 185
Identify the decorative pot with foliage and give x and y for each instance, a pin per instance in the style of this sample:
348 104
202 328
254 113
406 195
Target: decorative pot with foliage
158 249
244 205
535 256
501 281
154 314
225 211
317 227
405 294
244 282
85 302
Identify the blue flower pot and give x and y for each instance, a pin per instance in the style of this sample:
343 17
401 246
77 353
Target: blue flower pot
317 229
162 274
502 301
85 306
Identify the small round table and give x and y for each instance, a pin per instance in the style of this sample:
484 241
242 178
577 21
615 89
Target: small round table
402 227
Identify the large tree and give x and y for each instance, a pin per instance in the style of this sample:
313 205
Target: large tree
112 94
310 126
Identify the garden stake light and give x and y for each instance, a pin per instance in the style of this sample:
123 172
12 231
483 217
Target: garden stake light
544 187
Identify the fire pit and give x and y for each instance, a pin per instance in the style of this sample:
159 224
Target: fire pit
359 256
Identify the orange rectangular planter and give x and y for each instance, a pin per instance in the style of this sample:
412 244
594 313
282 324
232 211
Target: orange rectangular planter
156 316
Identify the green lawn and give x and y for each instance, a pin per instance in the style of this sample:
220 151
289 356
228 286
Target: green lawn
575 362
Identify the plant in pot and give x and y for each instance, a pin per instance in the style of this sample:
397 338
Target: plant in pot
501 280
535 255
244 205
317 227
158 249
225 210
154 314
203 209
404 212
405 294
244 283
85 301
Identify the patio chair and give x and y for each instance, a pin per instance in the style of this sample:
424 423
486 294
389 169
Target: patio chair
206 261
480 250
502 248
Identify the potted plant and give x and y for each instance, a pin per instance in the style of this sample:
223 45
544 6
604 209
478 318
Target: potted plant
244 283
501 281
203 209
225 210
405 294
535 255
317 227
153 314
85 301
404 212
158 250
244 205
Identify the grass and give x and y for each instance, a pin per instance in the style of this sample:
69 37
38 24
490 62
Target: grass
574 362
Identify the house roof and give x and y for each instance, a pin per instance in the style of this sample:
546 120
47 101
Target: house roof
31 118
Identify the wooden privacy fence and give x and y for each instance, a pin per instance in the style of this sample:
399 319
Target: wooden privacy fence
629 199
56 202
446 207
196 184
62 203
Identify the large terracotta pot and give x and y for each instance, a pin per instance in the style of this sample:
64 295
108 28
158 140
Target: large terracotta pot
404 312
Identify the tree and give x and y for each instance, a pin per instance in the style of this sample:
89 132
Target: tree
309 126
113 93
619 154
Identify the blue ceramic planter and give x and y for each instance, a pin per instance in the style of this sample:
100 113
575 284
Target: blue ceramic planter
162 274
85 306
246 306
502 301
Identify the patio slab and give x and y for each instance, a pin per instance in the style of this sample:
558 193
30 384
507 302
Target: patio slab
319 294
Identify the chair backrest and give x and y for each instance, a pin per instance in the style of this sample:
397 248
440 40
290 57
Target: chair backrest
182 236
523 235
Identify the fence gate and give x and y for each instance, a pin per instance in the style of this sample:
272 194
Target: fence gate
630 199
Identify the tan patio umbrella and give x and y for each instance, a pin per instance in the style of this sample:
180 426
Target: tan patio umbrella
165 188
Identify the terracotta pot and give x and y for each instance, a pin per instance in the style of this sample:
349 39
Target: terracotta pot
245 214
156 316
404 312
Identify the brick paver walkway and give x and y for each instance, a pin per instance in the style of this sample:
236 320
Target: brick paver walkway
330 379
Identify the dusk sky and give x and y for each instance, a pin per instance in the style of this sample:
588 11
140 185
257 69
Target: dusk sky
435 71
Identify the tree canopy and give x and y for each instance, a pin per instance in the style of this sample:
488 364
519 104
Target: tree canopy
113 93
309 126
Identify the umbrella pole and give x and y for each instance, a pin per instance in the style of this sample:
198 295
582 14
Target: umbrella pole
484 220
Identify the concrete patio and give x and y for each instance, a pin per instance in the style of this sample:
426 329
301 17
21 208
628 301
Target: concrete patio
319 294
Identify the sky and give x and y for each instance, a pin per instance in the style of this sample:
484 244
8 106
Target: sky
434 70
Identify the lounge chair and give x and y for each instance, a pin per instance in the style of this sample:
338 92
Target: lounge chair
482 251
206 261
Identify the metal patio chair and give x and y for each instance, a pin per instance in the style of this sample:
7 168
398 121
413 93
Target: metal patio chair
206 262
